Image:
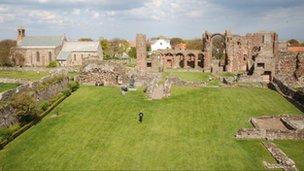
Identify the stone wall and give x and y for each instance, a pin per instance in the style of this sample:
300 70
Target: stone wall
141 51
44 89
284 162
254 133
103 73
297 96
291 68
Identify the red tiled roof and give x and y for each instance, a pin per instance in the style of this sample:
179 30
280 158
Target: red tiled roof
296 49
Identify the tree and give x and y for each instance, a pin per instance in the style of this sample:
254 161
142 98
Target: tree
174 41
293 42
105 45
194 44
132 52
18 59
218 47
84 39
5 49
26 106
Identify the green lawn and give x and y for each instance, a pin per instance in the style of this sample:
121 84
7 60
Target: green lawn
192 76
97 128
7 86
27 75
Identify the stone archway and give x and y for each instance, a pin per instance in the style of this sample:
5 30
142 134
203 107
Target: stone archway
200 62
190 63
181 60
168 60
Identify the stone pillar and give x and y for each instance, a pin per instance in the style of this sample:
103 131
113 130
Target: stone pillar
141 51
207 49
185 62
196 61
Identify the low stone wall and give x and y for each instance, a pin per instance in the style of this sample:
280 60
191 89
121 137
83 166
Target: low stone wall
254 133
13 80
297 96
103 73
41 69
44 89
284 162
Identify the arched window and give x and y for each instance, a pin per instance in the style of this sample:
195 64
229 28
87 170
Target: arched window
50 56
74 57
37 56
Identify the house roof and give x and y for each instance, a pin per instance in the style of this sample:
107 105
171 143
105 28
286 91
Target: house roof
80 46
295 49
41 41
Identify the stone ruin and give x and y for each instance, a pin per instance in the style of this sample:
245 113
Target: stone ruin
274 127
284 127
103 73
283 161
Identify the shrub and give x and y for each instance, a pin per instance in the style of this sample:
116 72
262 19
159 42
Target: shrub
6 132
66 92
53 64
26 106
44 106
73 85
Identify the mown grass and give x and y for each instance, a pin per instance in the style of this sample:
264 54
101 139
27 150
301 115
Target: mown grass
7 86
97 128
197 76
26 75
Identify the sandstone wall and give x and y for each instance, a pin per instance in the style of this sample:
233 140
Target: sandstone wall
44 89
291 68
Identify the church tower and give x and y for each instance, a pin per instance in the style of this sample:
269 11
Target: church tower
21 34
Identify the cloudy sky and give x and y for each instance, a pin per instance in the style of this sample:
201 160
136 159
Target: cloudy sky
125 18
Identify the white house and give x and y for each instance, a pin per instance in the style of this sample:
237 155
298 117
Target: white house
160 43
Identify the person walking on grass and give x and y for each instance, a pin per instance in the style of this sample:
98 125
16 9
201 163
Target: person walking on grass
140 117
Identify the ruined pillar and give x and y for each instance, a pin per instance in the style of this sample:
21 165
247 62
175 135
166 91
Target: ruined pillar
185 62
141 51
229 51
207 49
196 61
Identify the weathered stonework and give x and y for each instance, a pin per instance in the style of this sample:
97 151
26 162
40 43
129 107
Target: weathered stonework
284 162
103 73
141 51
44 89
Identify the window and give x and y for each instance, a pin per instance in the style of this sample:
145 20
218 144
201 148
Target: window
262 65
74 57
149 64
37 56
50 56
161 43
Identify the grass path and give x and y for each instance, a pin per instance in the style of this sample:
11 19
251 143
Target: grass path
26 75
7 86
97 128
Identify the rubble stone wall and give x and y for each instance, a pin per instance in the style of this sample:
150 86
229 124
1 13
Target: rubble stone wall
44 89
254 133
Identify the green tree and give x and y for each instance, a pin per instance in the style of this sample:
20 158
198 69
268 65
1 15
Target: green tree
194 44
5 49
218 47
26 106
174 41
105 45
132 52
293 42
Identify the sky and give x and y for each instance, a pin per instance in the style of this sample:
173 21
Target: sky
172 18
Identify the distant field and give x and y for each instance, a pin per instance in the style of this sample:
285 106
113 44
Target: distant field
192 76
27 75
7 86
97 128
